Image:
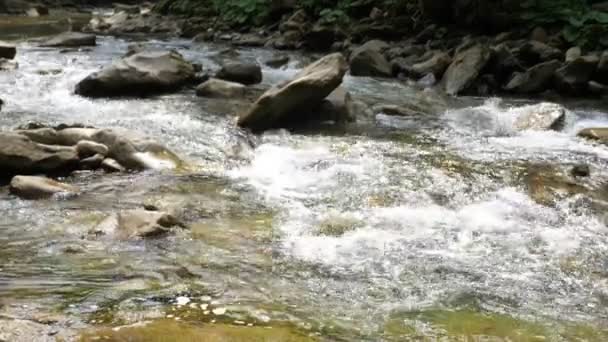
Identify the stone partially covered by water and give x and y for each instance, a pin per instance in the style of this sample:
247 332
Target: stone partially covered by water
140 74
291 102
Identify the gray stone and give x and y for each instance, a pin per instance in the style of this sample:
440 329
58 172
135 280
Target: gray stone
540 117
34 187
220 88
306 90
142 74
535 79
71 39
20 155
245 73
465 69
87 148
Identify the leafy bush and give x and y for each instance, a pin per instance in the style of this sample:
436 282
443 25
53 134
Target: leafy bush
243 11
581 24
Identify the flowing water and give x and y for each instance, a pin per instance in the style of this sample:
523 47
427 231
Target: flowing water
410 228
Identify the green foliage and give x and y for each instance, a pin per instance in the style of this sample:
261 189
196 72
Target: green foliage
243 11
581 24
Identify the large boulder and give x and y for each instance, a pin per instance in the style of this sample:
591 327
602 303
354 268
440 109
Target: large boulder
285 103
220 88
142 74
245 73
534 52
20 155
465 68
540 117
435 65
533 80
7 50
574 76
71 39
368 60
34 187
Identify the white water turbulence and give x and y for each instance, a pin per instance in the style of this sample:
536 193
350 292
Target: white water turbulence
331 231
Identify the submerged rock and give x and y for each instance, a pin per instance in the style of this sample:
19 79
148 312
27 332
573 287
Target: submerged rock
141 74
285 103
277 61
465 69
136 223
7 50
219 88
71 39
542 116
34 187
245 73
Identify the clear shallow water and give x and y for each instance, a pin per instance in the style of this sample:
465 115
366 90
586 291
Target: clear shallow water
342 233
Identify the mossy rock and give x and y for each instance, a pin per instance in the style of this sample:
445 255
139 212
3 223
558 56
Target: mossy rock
171 330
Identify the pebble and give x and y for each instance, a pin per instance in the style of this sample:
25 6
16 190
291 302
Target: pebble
182 300
205 298
219 311
204 306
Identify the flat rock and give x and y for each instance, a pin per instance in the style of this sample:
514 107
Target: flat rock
220 88
599 134
136 223
34 187
71 39
19 154
245 73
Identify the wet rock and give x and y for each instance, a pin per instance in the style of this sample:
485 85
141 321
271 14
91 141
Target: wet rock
250 40
8 65
435 65
572 78
34 187
220 88
539 34
307 89
87 148
465 69
7 50
71 39
503 63
546 184
337 107
137 223
111 165
602 69
38 11
368 60
91 163
129 9
573 53
427 81
597 88
277 61
542 116
535 79
297 22
599 134
534 52
142 74
580 170
20 155
320 37
245 73
136 154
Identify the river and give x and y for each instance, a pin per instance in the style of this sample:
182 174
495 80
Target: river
391 229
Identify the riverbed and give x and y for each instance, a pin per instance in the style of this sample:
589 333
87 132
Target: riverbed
389 229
